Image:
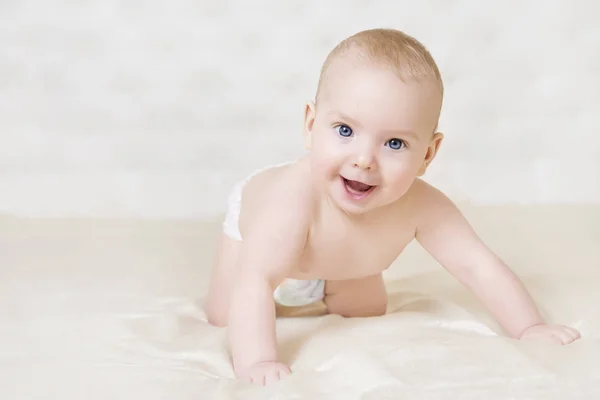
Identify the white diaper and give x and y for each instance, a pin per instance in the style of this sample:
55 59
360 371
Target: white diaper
296 292
291 292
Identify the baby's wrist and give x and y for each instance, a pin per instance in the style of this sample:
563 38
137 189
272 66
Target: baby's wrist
531 326
241 370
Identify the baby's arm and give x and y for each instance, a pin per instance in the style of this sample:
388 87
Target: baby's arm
273 242
445 233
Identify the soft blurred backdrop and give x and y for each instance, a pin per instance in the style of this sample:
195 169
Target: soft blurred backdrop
143 110
154 109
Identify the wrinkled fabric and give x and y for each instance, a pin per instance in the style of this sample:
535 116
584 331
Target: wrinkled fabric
112 309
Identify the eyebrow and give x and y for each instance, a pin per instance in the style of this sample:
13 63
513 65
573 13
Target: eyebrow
387 132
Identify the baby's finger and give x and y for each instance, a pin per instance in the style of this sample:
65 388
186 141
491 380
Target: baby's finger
567 334
563 336
553 337
258 379
271 376
568 338
574 333
284 371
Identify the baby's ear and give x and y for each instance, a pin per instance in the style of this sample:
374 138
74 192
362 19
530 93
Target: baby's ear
309 119
432 149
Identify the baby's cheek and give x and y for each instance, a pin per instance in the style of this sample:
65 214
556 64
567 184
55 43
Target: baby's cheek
325 153
401 177
322 165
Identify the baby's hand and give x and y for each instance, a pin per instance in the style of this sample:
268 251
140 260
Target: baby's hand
551 333
265 373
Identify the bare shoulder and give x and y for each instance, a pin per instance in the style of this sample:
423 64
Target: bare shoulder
275 217
283 192
426 193
431 205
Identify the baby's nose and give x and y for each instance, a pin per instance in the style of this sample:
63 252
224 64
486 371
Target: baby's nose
365 160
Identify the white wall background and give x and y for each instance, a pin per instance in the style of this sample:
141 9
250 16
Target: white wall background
154 109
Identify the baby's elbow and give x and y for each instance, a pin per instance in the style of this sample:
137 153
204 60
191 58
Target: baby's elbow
216 321
216 315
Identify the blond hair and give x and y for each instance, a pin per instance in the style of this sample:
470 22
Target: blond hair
405 55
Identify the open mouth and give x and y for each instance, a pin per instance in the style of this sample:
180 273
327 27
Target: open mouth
357 189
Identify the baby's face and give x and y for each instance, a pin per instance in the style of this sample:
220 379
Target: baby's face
370 135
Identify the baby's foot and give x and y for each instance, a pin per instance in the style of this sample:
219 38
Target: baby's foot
265 373
551 333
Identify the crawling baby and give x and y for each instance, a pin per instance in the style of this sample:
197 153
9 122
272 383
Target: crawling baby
324 227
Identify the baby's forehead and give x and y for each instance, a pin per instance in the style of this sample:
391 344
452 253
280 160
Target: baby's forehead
352 67
353 82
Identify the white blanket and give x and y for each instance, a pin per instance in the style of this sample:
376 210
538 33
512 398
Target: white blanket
112 310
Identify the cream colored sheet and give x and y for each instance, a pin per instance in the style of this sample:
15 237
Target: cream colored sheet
112 310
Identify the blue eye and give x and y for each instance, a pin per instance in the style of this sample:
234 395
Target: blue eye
344 131
396 144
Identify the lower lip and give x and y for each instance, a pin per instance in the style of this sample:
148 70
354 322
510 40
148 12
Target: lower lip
354 195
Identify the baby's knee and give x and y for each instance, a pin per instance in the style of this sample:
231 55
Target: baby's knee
215 317
377 310
217 321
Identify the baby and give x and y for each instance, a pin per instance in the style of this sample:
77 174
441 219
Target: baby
325 227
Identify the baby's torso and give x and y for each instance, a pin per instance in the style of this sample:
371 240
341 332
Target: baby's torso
338 247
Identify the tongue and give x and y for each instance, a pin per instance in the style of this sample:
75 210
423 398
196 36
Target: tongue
358 186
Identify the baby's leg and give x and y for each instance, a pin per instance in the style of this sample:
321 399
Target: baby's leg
216 304
365 297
